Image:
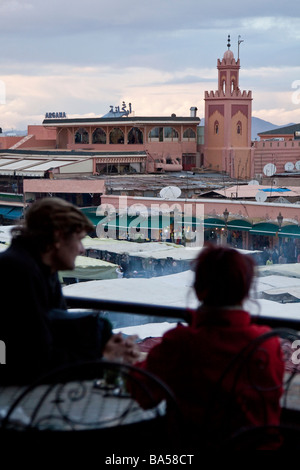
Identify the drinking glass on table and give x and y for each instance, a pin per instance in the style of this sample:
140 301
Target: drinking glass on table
122 349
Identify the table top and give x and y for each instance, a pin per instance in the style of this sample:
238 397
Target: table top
73 406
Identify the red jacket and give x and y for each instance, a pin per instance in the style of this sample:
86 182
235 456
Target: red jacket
191 360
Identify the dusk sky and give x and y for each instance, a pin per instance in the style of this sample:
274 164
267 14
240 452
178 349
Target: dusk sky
80 57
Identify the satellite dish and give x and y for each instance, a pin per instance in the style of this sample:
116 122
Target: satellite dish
254 182
170 192
297 165
269 169
289 166
261 196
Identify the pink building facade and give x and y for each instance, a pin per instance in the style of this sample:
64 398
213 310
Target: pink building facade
169 143
246 224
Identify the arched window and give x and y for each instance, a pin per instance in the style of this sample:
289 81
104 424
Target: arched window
224 85
135 136
216 127
81 136
239 128
156 134
232 85
163 134
189 134
116 136
99 136
170 133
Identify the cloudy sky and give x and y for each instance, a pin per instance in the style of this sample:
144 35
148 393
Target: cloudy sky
80 57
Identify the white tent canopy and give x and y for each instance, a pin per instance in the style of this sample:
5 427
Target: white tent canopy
158 250
5 235
176 290
290 270
90 268
173 290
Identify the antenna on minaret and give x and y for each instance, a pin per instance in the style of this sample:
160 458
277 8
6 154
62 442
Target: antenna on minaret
228 41
239 42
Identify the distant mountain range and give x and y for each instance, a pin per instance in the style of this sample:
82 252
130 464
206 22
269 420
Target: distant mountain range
259 125
14 133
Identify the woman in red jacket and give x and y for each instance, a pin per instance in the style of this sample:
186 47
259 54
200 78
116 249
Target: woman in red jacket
218 396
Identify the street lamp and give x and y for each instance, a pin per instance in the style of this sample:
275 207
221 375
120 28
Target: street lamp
224 230
226 214
280 220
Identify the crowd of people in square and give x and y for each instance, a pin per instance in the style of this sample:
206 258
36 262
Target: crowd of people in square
286 252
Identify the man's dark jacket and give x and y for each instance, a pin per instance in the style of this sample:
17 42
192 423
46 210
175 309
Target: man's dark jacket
35 343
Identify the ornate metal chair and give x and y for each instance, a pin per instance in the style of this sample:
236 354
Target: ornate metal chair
231 401
93 399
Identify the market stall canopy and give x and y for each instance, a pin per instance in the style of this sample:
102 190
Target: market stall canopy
172 290
16 162
87 268
290 270
157 250
176 290
279 288
5 235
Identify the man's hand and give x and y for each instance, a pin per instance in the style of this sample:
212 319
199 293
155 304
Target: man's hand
122 349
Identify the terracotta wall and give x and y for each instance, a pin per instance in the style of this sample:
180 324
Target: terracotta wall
8 141
276 152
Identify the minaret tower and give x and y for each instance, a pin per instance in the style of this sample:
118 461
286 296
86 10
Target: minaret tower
227 134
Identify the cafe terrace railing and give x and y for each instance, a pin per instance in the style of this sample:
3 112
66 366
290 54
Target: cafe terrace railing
167 311
100 394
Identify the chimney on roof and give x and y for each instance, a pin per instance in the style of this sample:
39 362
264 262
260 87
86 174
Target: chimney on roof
193 111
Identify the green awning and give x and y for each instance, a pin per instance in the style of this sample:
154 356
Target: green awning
292 231
213 223
90 212
264 228
124 222
4 210
11 212
187 220
239 225
231 225
152 222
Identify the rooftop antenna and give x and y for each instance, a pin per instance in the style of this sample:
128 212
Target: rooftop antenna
239 42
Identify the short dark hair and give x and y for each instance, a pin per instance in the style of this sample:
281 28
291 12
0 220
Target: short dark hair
223 275
49 215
